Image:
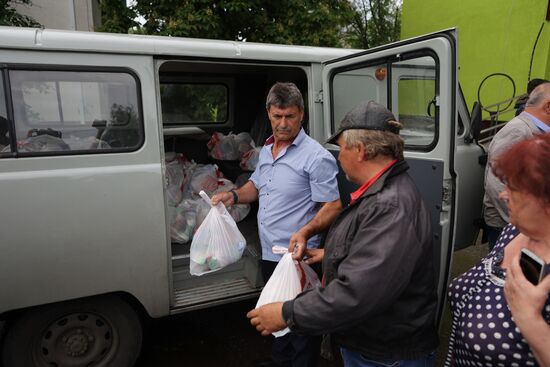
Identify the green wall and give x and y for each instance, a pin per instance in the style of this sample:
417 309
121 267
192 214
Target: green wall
494 36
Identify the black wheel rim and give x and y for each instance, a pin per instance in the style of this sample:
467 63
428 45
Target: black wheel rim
76 340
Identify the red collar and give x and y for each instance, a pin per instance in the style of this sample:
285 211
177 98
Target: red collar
271 139
360 191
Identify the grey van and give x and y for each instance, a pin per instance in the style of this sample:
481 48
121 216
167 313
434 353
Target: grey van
86 120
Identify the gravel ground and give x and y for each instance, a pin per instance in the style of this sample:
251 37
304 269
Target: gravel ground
222 336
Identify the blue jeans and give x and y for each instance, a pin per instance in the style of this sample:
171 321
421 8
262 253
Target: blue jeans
355 359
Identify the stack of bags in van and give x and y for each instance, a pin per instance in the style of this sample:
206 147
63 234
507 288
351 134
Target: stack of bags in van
185 179
234 147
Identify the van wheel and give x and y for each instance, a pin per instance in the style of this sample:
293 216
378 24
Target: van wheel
92 332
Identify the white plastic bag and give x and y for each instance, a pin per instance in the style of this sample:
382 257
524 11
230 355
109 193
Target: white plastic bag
184 221
205 177
249 160
230 146
244 143
223 147
289 279
174 177
217 242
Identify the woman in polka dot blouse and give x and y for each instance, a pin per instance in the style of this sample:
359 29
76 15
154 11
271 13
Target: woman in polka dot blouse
499 317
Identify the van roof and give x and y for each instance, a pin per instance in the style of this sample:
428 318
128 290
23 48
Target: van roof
60 40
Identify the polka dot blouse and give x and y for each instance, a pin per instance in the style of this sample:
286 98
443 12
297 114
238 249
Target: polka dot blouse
483 332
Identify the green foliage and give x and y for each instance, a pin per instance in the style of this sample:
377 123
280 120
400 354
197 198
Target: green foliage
375 23
336 23
116 17
188 102
9 16
303 22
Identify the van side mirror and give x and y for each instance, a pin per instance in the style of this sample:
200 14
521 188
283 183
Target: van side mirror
475 123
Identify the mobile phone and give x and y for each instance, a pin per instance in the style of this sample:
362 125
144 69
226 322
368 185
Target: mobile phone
533 267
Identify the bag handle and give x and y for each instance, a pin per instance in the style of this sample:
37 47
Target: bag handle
299 268
205 197
219 206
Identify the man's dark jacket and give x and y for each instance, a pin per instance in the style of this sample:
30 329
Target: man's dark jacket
380 294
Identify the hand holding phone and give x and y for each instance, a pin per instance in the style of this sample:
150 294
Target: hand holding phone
533 267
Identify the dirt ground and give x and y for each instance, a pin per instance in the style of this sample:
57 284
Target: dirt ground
222 336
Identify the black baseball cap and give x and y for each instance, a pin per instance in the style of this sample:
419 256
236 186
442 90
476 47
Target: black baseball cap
367 115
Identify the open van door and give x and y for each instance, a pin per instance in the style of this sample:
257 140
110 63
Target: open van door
417 80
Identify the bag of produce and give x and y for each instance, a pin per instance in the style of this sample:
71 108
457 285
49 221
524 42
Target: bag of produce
217 242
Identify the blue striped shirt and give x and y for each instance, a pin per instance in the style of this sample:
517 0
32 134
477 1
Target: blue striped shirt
290 189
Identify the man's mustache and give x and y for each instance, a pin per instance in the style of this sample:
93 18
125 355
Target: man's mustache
283 129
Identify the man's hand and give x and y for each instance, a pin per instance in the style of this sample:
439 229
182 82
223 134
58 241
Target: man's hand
225 197
297 245
314 255
320 222
268 318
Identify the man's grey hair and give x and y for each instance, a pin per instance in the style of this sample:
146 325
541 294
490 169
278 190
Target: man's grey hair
284 95
376 142
538 95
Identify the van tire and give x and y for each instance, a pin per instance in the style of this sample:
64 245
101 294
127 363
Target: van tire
97 332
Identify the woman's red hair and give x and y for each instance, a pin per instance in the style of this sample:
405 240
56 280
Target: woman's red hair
525 166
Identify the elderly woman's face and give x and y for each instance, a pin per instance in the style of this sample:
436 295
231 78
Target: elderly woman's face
526 211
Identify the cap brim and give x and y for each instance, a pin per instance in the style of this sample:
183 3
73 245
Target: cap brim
334 137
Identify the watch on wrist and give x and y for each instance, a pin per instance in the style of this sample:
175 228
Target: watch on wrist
235 196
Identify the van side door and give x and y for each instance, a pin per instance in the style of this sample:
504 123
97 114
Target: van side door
417 80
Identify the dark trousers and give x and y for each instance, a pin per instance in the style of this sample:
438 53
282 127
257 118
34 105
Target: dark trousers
493 233
292 350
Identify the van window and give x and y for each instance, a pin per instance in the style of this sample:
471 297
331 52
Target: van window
358 85
410 94
75 111
416 100
4 125
194 103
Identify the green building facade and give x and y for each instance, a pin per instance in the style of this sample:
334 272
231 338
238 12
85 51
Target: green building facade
494 36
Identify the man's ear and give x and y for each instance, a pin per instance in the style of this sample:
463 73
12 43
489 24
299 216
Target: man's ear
360 149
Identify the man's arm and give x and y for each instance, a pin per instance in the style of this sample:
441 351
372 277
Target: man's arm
324 189
247 193
384 251
322 220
